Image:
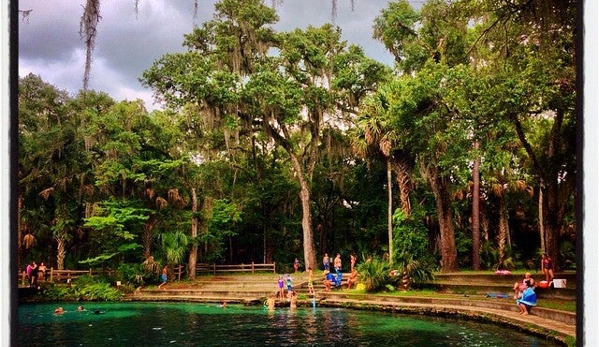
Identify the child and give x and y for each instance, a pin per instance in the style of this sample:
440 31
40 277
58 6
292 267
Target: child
270 302
281 283
547 267
163 277
292 300
325 262
519 287
310 281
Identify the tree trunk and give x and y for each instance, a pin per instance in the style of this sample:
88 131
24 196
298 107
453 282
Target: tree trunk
193 254
550 218
440 189
503 234
475 210
309 251
390 210
553 222
60 251
147 236
402 165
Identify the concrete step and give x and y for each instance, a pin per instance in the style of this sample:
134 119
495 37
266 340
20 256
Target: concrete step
492 278
469 301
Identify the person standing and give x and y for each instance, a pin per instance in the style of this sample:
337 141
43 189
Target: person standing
163 277
34 274
296 265
310 281
42 271
547 267
325 262
281 284
28 272
337 262
352 261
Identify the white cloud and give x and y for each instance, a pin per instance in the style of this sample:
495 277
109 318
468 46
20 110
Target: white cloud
128 42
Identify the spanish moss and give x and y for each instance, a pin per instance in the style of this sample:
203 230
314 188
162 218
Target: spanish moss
87 30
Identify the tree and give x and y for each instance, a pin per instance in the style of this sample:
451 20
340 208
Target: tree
529 49
52 162
291 98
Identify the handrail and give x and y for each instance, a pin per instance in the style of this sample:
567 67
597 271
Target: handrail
252 267
64 274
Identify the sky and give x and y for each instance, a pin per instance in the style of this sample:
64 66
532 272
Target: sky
128 42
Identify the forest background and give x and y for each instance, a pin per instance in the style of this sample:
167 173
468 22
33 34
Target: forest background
279 145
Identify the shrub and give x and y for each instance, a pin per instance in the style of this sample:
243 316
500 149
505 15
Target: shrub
375 274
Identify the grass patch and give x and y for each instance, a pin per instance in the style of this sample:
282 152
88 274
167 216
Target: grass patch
562 305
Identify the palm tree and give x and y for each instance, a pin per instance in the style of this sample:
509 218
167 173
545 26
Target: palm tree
376 138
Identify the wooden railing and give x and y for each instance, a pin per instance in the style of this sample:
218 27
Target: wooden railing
63 275
53 275
252 267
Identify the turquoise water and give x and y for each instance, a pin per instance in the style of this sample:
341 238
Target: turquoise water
191 324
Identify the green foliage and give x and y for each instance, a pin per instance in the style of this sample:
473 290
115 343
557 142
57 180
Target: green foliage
133 275
411 258
375 274
116 225
488 255
85 287
95 290
567 252
174 245
410 235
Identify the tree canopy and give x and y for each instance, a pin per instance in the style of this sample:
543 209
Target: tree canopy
277 145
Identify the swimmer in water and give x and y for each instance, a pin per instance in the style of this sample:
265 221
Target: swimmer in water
59 310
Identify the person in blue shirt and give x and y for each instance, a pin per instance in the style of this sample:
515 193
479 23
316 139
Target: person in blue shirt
528 299
329 280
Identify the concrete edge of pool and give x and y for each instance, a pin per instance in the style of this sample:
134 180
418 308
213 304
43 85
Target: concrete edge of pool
560 331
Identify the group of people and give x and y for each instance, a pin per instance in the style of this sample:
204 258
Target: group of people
285 282
334 279
36 273
60 310
524 291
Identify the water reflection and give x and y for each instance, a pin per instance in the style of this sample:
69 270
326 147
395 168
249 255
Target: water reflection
188 324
